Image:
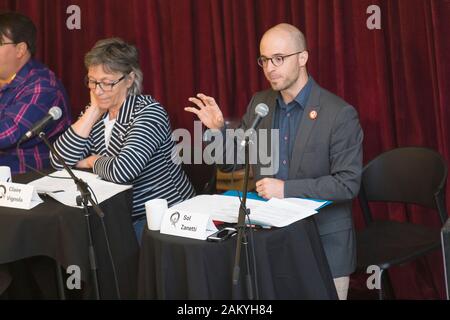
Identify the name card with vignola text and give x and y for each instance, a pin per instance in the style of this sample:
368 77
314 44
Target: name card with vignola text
20 196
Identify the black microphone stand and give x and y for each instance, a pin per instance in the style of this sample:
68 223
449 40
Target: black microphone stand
84 198
242 236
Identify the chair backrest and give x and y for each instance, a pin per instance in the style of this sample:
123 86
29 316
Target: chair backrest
412 175
445 244
201 175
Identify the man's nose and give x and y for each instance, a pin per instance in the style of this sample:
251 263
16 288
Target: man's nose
269 66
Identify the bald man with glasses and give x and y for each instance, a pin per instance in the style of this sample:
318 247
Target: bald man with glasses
320 143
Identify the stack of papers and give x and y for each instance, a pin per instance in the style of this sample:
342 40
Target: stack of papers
65 191
273 213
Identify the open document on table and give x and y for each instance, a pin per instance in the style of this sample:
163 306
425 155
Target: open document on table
275 212
65 190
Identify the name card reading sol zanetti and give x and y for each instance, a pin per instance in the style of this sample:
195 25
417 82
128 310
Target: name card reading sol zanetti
188 225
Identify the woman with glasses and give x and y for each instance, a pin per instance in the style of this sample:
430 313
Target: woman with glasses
124 136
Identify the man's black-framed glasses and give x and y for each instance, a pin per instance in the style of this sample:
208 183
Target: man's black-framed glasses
105 86
5 43
276 60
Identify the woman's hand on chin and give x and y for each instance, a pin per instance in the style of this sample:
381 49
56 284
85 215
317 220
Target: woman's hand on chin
95 107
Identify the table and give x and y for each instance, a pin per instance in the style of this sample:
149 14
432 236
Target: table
291 264
32 241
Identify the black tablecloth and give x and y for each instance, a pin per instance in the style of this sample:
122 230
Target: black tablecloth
31 239
291 264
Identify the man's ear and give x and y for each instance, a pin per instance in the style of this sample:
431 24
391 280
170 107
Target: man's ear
22 49
303 58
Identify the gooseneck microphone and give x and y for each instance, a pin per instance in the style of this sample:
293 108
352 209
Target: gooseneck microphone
53 114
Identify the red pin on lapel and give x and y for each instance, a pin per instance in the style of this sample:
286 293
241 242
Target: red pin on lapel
313 115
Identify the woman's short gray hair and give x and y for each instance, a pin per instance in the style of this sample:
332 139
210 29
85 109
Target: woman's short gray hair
117 56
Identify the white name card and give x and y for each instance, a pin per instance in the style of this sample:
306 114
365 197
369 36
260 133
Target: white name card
187 224
20 196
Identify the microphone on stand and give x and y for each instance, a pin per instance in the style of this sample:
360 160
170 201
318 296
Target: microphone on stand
85 197
53 114
261 110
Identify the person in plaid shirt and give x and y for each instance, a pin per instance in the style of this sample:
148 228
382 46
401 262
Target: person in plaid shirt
28 90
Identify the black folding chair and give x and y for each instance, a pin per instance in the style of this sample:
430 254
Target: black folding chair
201 175
410 175
445 240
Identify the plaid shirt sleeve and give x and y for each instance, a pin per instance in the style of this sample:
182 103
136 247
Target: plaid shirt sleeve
30 105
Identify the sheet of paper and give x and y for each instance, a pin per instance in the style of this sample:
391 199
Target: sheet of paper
279 213
309 203
65 190
275 212
219 207
35 199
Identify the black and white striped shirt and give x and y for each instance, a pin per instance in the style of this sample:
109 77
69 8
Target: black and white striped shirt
139 153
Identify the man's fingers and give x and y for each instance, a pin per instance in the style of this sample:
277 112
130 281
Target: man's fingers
193 110
260 189
261 182
198 102
210 101
264 195
207 101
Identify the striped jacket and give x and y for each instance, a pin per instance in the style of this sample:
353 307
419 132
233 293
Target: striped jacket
139 153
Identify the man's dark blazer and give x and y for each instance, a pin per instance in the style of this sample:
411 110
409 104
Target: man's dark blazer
326 163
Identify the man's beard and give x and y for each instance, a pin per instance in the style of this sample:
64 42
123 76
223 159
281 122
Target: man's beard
286 84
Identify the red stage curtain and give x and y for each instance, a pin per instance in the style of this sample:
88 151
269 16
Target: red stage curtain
398 77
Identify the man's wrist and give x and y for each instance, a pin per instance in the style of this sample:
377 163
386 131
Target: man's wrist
209 133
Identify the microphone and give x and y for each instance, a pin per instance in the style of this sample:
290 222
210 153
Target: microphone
261 110
53 114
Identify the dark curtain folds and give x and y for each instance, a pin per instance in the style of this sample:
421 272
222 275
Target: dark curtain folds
396 77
